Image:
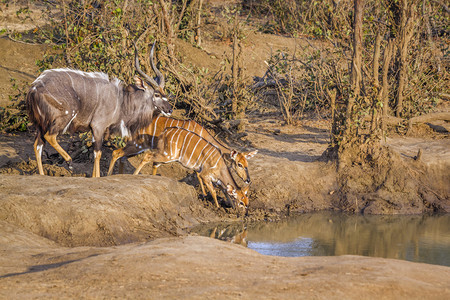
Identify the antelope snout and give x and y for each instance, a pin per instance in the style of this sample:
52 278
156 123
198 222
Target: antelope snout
242 205
166 112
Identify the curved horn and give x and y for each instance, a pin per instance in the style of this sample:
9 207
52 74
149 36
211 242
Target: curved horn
147 78
157 72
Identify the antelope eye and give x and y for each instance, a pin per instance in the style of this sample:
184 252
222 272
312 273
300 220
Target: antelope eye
240 165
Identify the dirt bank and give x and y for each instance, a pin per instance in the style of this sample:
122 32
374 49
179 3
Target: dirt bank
41 214
100 212
197 268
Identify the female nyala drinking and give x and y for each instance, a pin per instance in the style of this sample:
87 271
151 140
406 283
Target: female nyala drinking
146 139
196 153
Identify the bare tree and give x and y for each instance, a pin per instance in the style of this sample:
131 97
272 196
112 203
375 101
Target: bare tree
406 31
198 31
384 93
356 75
169 30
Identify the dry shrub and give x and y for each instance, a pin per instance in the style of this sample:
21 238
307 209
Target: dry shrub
299 82
317 18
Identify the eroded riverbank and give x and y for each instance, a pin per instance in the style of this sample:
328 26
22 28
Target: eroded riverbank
198 267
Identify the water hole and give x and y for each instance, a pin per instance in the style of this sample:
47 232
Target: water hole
417 238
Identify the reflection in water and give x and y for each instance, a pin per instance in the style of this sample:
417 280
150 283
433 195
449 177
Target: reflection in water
414 238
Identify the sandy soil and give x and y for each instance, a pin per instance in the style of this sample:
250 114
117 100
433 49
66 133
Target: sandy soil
124 236
198 268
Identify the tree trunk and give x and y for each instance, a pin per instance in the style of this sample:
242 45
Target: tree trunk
376 57
199 38
169 31
67 54
376 83
407 22
426 20
388 52
332 95
234 70
355 76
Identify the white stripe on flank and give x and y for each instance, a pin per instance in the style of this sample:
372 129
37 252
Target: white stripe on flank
206 155
182 145
71 81
201 131
209 155
193 151
187 146
170 143
68 124
155 124
117 104
217 161
176 143
198 156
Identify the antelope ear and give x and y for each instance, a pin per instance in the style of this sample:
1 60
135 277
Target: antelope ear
250 154
233 154
140 83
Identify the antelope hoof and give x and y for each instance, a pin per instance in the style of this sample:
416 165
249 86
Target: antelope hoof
69 164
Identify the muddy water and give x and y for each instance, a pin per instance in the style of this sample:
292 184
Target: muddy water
414 238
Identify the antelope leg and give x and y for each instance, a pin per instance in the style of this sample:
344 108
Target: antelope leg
211 189
155 168
201 183
147 158
115 156
97 156
38 144
130 149
51 139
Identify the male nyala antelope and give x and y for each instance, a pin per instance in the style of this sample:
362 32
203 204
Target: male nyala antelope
196 153
147 137
63 100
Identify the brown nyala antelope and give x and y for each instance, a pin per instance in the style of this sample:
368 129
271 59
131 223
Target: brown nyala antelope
196 153
65 100
146 139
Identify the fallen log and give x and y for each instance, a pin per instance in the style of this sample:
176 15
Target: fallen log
445 116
